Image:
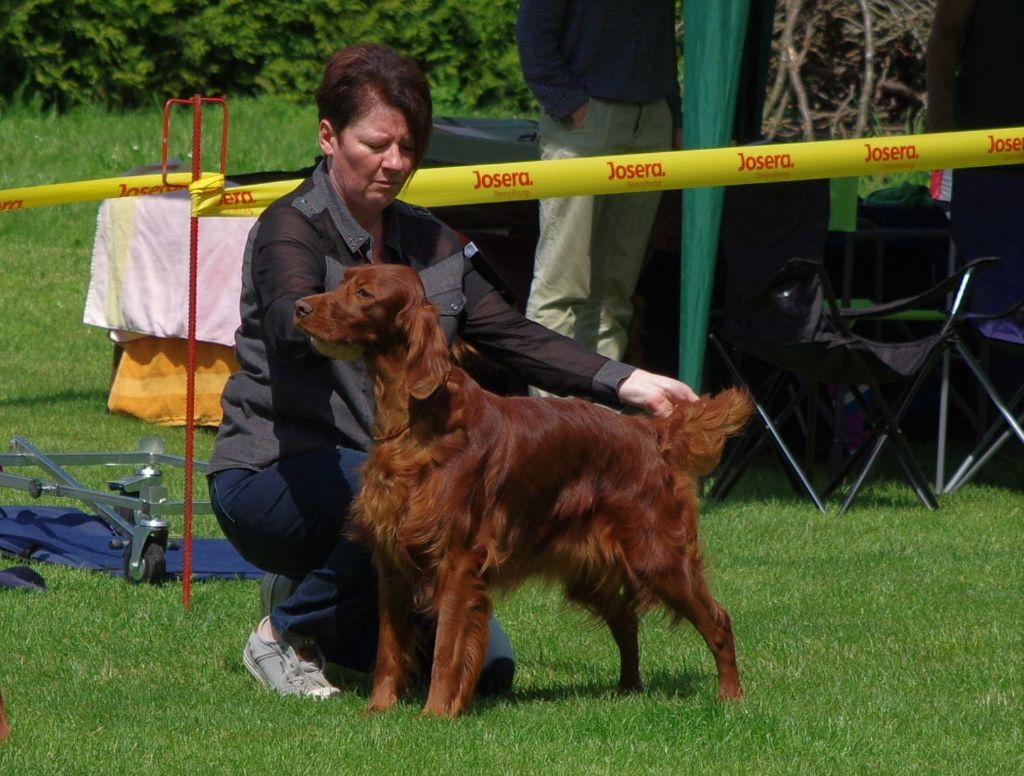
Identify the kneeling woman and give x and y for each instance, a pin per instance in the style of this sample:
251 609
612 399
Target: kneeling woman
297 424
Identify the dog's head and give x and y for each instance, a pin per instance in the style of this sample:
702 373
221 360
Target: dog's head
379 310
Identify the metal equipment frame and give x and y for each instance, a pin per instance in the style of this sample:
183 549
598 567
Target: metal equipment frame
135 507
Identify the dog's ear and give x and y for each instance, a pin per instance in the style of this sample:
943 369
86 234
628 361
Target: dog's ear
429 360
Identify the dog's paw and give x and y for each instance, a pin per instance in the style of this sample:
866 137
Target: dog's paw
445 712
380 701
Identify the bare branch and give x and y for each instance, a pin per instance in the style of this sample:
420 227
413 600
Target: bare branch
793 62
867 88
844 68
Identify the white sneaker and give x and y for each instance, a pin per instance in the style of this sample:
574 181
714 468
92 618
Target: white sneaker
276 666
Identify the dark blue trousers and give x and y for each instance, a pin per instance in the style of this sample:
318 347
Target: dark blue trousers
289 519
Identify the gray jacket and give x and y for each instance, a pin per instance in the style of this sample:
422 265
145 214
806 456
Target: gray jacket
286 399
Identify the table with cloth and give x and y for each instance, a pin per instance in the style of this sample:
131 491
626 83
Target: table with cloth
138 291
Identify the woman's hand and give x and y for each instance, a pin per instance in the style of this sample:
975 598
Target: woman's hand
655 393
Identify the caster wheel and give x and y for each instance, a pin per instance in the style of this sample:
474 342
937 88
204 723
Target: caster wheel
152 564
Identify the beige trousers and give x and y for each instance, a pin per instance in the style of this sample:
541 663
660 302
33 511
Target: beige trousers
591 248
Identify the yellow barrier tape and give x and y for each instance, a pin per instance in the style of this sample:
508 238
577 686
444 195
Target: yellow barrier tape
87 191
209 185
237 201
475 184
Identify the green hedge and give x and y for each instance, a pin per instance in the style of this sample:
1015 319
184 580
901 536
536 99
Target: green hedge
126 53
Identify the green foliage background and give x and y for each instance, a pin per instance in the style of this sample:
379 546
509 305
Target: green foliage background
131 53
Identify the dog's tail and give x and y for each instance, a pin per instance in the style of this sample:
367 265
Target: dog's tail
695 433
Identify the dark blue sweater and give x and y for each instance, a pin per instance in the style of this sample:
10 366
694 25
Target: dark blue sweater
621 50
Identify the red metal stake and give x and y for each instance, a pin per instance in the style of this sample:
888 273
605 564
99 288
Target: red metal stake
193 273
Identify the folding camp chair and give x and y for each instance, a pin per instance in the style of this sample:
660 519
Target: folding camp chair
779 309
988 218
1010 413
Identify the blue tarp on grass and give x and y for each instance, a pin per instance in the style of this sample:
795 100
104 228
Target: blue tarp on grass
72 538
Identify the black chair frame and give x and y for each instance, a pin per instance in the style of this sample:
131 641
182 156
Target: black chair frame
860 367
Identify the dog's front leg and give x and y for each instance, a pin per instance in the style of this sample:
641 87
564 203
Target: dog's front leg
396 639
463 610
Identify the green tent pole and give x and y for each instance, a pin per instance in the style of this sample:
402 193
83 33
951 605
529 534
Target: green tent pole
713 36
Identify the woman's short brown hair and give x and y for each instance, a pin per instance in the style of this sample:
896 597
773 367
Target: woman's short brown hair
358 76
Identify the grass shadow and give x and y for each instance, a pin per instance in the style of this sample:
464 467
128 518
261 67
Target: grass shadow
58 397
662 683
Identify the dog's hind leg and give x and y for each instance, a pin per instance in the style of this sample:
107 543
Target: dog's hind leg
684 591
618 610
463 610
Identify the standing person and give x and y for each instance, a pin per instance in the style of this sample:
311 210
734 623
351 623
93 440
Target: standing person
975 73
604 72
973 66
297 424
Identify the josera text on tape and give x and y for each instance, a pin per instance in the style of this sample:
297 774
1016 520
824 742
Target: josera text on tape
475 184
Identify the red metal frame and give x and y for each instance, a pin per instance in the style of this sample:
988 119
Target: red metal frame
196 101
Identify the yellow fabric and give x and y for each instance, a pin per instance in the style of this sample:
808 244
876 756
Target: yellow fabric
151 381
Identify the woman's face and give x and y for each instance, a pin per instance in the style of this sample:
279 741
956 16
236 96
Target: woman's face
371 159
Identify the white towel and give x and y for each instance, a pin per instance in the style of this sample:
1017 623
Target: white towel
140 270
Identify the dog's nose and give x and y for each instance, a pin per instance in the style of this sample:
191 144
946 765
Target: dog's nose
303 308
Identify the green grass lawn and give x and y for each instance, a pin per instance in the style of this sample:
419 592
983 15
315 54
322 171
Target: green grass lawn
886 640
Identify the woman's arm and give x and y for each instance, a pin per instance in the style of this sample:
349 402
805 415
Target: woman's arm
287 264
556 363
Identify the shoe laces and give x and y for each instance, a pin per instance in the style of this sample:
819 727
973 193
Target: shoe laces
294 670
312 668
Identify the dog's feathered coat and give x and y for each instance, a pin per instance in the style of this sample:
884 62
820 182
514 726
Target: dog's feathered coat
465 490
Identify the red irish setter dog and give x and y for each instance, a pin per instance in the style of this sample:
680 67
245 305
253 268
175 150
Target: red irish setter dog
5 728
465 490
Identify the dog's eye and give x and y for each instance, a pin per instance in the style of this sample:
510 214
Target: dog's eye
362 293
